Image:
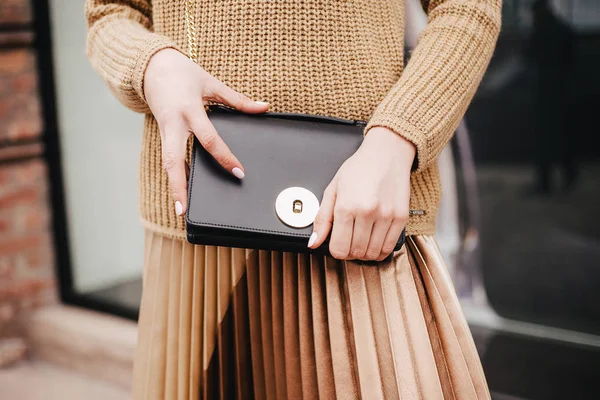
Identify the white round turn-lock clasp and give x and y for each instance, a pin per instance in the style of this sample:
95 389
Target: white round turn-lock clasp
297 207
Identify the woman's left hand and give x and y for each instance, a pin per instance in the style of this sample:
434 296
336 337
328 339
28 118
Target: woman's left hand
365 207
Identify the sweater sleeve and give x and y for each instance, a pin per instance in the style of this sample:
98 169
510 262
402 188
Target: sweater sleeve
427 103
120 43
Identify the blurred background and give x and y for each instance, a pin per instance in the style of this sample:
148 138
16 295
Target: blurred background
518 224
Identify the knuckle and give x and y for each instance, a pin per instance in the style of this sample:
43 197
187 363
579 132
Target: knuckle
225 159
357 252
401 215
372 254
342 210
177 192
337 253
169 160
208 141
238 100
212 87
368 208
320 219
388 248
386 213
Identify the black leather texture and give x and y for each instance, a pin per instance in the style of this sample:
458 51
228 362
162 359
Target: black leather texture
277 151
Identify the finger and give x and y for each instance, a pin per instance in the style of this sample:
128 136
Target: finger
226 95
391 239
212 142
324 219
361 233
378 235
173 160
341 233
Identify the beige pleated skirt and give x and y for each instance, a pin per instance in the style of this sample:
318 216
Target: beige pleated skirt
220 323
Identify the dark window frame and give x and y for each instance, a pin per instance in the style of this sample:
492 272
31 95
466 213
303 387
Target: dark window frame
42 44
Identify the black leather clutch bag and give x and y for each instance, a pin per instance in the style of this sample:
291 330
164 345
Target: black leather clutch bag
289 160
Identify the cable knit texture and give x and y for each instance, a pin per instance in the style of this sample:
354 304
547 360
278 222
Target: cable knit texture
341 58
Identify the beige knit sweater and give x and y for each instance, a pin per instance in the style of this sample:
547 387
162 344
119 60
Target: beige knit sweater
342 58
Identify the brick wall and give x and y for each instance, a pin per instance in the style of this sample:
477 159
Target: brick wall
15 11
26 259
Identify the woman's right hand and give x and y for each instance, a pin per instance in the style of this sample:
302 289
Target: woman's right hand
176 90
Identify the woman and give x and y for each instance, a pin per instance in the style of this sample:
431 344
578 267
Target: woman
219 322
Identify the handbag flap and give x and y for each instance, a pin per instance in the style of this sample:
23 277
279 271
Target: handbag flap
278 151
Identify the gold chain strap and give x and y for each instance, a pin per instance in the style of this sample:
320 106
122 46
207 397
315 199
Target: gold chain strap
190 22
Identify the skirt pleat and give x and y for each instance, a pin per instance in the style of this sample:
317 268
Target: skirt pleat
322 343
196 302
278 311
222 323
173 313
254 306
185 323
343 352
242 381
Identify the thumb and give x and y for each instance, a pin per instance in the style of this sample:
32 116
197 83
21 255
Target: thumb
324 219
226 95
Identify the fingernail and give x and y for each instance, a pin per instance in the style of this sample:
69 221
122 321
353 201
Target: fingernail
178 208
262 103
313 239
238 173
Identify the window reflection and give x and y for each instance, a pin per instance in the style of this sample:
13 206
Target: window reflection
535 141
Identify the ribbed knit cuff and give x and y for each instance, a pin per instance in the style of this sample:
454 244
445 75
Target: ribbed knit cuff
120 50
431 97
